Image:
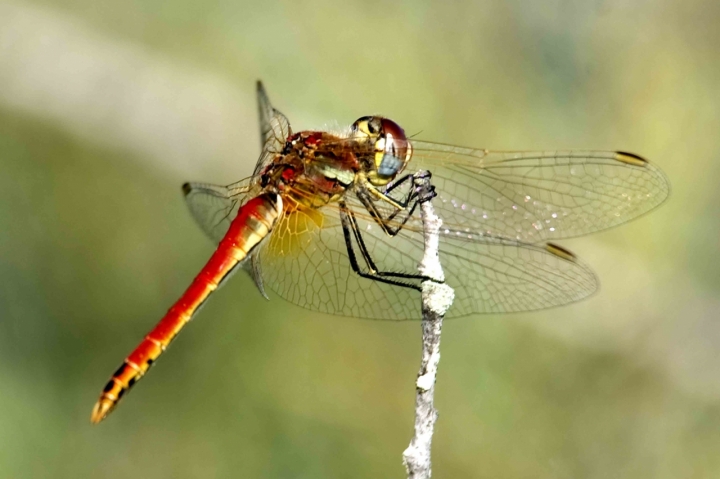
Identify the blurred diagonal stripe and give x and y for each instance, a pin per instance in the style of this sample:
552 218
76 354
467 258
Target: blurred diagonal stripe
121 94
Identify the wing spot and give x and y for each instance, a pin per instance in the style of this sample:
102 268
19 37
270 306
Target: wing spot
630 158
560 252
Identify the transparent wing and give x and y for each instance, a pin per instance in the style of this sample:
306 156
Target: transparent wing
274 129
265 114
538 196
305 261
496 275
214 207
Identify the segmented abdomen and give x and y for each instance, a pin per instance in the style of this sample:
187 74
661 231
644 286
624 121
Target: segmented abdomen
252 224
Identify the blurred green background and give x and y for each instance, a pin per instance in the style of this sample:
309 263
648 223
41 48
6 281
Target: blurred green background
107 107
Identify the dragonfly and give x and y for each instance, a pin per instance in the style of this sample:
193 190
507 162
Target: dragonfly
329 221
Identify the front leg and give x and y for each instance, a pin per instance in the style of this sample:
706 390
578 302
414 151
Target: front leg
420 191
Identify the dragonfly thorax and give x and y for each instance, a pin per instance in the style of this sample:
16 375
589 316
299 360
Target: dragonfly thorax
313 169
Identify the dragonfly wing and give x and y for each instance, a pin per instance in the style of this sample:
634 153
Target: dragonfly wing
496 275
305 261
265 114
214 207
539 196
274 129
490 274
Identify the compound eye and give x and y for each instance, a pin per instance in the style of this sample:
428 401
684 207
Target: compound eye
393 150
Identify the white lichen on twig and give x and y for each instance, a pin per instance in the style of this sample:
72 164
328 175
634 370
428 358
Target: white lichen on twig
437 297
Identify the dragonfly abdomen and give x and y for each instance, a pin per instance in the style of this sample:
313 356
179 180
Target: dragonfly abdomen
253 223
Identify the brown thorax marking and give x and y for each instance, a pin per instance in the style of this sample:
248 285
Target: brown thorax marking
314 169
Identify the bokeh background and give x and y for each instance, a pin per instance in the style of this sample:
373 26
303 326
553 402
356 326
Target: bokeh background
106 108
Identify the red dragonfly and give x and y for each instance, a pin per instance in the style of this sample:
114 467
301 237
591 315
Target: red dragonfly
328 221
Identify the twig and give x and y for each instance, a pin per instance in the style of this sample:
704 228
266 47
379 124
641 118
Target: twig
436 299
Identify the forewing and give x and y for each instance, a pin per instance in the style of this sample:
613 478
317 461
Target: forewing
265 113
538 196
274 129
214 207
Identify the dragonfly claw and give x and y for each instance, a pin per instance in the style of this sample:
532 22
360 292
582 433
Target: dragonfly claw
424 190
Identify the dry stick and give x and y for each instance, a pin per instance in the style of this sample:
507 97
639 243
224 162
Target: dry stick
436 299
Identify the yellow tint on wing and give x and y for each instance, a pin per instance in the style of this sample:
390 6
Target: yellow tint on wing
295 230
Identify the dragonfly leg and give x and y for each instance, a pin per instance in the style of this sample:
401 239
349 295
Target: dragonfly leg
422 190
352 232
397 183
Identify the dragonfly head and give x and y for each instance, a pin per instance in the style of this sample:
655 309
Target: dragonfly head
392 150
